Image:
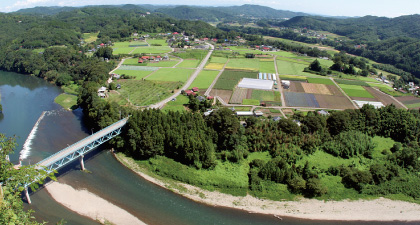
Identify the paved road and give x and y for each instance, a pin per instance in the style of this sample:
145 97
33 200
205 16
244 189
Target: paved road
78 145
187 84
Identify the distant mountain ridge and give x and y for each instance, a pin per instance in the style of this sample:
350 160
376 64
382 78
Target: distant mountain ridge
205 13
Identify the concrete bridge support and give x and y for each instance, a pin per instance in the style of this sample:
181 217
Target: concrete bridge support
28 199
82 163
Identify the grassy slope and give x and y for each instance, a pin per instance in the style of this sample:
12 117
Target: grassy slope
66 101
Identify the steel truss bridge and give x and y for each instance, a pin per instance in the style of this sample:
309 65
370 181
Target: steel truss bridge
77 151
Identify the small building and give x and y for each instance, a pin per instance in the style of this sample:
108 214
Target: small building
323 112
277 118
200 98
102 92
195 89
244 113
118 86
210 97
258 113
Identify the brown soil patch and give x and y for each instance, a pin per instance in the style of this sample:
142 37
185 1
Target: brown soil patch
384 98
288 112
238 95
406 98
333 102
334 90
224 94
249 94
316 88
295 86
365 99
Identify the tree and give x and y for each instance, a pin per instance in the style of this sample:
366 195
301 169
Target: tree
315 66
11 205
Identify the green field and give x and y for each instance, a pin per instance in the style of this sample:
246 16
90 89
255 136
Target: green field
250 102
267 67
163 63
177 105
244 64
320 81
352 82
191 54
139 74
90 37
218 59
152 50
380 85
171 74
189 63
161 42
204 79
291 68
354 77
263 95
66 101
355 91
142 93
295 78
230 78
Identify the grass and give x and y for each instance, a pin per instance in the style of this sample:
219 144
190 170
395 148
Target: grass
355 91
138 74
218 59
381 144
215 66
90 37
161 42
274 110
230 78
152 50
263 95
189 63
70 89
267 66
244 64
66 101
171 74
352 82
295 78
204 79
142 93
393 93
118 98
241 108
177 105
379 85
191 54
290 68
412 106
320 81
361 78
163 63
250 102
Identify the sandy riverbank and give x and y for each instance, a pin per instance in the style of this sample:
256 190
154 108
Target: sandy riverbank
88 204
365 210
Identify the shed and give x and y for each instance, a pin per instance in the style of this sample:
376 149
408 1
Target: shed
258 113
244 113
323 112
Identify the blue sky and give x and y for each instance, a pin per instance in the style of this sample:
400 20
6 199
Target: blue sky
388 8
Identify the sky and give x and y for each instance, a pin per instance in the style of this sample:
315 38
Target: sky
388 8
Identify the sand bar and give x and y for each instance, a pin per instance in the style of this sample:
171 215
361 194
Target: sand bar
88 204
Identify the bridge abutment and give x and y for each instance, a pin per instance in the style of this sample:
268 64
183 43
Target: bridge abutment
82 163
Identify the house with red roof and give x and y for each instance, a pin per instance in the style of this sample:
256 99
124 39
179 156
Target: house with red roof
195 89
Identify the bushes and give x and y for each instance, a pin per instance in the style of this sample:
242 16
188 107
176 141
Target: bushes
349 144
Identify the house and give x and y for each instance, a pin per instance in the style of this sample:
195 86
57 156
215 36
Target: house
102 92
145 57
258 113
266 49
189 92
200 98
208 112
116 76
118 86
195 89
140 60
277 118
210 97
323 112
411 84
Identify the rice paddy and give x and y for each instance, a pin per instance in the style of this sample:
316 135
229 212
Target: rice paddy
171 74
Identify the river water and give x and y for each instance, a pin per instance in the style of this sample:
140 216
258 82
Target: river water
24 100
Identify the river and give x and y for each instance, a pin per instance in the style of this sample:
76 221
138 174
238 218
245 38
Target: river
25 98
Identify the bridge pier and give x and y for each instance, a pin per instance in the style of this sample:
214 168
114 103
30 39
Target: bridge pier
28 199
82 164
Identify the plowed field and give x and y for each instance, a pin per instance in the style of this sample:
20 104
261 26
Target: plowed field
316 88
238 95
333 102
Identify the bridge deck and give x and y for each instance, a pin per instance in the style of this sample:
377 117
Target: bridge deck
80 144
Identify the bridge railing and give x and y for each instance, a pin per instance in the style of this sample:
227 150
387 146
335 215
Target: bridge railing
84 139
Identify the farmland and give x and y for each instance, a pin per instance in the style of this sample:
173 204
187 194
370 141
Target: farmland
218 60
215 66
138 74
411 102
146 92
384 98
294 78
355 91
177 105
316 88
250 102
352 82
152 50
171 74
290 68
263 95
191 54
204 79
239 95
189 63
300 100
267 66
163 63
230 78
320 81
244 64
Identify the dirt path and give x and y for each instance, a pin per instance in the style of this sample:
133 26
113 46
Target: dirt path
188 83
215 79
279 86
344 93
119 65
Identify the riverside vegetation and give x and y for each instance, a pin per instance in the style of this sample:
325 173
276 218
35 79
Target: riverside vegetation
352 154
